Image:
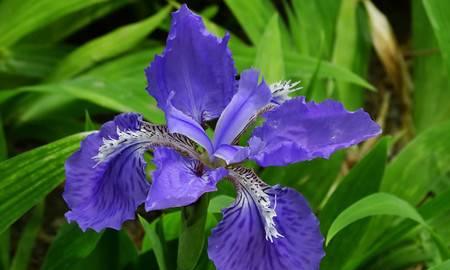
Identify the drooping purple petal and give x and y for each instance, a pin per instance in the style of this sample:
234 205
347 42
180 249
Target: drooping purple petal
298 130
104 189
179 122
249 99
179 181
240 240
196 65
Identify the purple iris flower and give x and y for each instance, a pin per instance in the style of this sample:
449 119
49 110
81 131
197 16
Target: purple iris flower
194 82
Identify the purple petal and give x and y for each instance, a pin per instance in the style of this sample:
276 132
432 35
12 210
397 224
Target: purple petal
196 65
240 240
179 122
249 99
179 181
298 130
105 194
232 153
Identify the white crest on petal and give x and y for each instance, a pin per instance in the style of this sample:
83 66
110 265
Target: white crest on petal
125 138
250 185
281 90
147 136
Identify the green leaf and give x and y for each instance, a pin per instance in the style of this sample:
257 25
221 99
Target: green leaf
219 202
431 211
111 73
154 233
129 65
5 236
311 28
107 46
114 251
269 52
3 147
311 89
5 244
426 161
69 24
430 76
438 15
298 66
362 180
402 257
303 177
70 246
171 223
88 124
20 18
31 60
373 205
27 178
192 235
124 95
252 15
350 51
301 66
210 11
443 266
28 237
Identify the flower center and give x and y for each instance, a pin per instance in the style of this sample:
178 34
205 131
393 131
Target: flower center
212 162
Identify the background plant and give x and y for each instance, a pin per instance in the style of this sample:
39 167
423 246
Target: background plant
67 65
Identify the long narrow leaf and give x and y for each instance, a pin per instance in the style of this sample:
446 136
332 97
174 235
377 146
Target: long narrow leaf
438 15
28 237
69 24
363 179
269 52
70 246
192 235
155 235
349 51
253 16
429 73
31 60
27 178
108 46
373 205
20 18
3 147
443 266
127 95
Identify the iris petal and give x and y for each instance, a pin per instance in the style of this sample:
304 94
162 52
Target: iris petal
250 98
179 181
196 65
105 179
179 122
298 130
232 153
240 241
106 194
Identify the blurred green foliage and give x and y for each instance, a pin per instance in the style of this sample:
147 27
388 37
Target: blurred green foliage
67 66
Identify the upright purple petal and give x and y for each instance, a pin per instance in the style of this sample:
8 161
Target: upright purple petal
179 181
240 241
104 189
298 130
179 122
196 65
249 99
